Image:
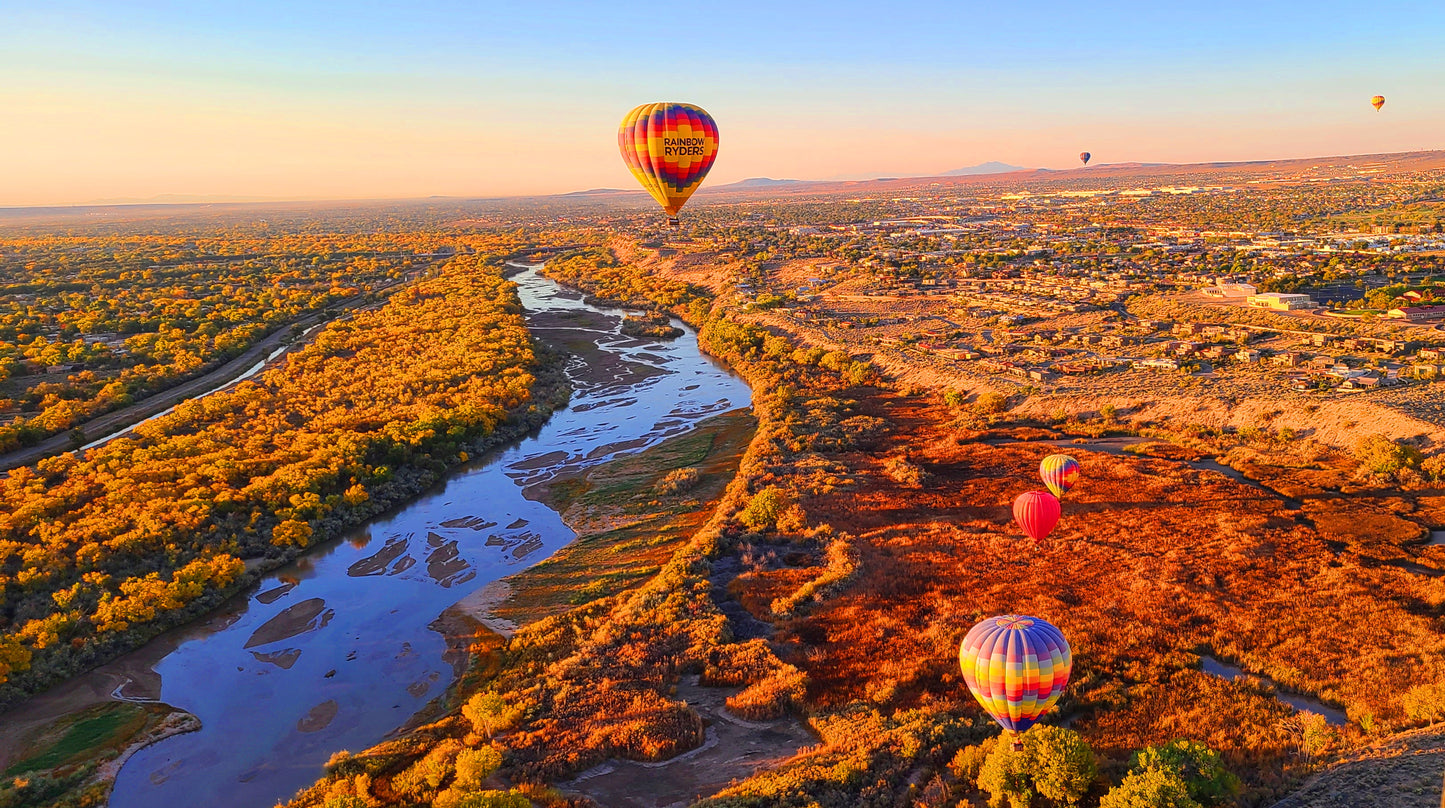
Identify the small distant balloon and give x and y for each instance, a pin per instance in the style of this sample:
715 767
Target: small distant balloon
1017 666
1037 512
670 148
1378 101
1084 157
1059 473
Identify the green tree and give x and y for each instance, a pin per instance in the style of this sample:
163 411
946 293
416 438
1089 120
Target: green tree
764 508
489 713
1152 788
1005 777
1200 767
1381 455
1062 764
1054 764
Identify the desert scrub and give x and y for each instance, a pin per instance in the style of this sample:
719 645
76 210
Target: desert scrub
772 697
677 481
842 566
905 472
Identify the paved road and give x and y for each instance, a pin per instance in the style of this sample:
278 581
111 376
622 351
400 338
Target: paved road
139 411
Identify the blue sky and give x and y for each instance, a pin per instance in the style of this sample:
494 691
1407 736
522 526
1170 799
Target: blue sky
325 100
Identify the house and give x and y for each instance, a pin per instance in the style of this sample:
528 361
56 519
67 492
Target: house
1431 354
1161 364
1247 355
1418 314
1289 359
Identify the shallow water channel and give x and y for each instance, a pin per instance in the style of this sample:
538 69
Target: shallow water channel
334 651
1224 670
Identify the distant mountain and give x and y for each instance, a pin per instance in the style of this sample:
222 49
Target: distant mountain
594 191
761 182
991 167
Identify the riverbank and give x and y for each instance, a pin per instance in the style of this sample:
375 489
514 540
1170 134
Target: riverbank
116 422
363 651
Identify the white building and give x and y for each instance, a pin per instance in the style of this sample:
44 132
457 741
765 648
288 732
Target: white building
1279 301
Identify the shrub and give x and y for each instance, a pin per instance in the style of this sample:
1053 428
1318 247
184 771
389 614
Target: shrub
764 508
1062 763
453 798
967 764
1425 702
1150 789
905 472
991 403
677 481
793 519
1055 764
474 766
1380 455
771 697
1195 765
490 713
427 774
1005 777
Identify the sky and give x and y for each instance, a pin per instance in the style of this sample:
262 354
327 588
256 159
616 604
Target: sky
193 99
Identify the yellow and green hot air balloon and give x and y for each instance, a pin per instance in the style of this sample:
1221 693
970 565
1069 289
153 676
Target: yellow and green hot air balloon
670 148
1059 473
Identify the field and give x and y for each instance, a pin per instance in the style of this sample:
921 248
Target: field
868 528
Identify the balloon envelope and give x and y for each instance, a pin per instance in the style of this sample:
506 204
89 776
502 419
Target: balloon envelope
1059 473
1084 157
1036 512
669 148
1017 667
1378 101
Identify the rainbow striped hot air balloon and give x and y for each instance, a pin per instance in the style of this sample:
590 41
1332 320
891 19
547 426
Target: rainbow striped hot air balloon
1059 473
670 148
1377 102
1017 667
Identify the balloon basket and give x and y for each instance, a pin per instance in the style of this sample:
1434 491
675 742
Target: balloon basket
673 222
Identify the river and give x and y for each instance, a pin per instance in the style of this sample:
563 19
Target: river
334 651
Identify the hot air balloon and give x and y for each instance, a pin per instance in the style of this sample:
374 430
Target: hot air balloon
669 148
1084 157
1059 473
1017 667
1378 101
1036 512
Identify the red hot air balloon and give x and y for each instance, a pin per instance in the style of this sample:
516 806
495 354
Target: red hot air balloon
1037 512
1377 102
1084 157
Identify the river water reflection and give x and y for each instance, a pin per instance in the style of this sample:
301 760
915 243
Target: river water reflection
334 651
